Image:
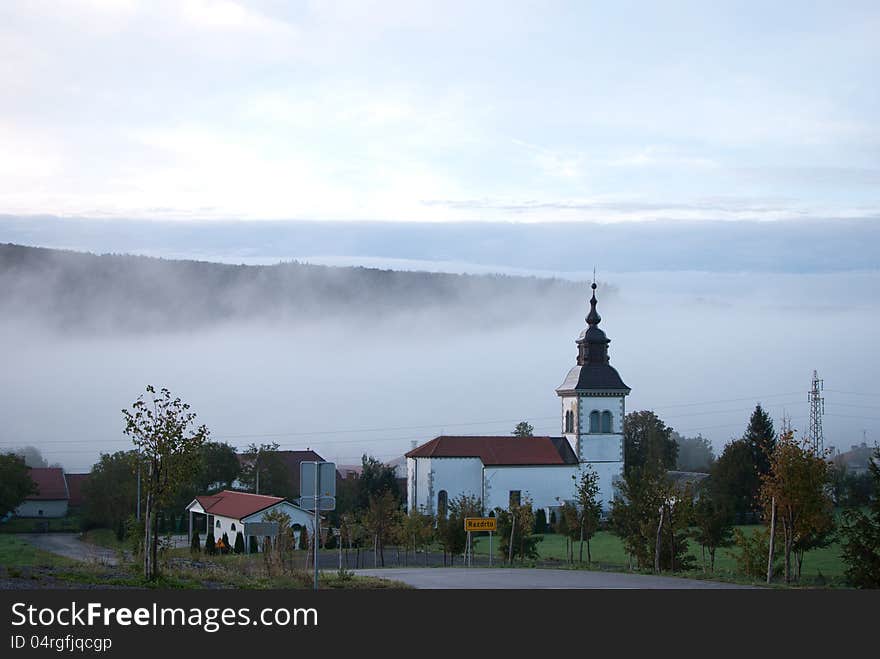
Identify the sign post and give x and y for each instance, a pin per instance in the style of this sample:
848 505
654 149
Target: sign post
472 524
317 488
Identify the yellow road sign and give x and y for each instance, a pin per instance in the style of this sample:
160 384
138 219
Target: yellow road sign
480 524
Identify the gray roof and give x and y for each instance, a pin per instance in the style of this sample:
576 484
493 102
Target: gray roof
593 377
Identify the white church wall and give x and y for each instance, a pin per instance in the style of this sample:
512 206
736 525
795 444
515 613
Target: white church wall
609 473
548 486
428 476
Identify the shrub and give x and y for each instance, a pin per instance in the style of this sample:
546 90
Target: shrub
239 543
226 548
254 545
552 528
195 546
210 546
540 521
303 538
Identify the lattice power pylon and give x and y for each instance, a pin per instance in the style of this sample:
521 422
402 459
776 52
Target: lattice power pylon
817 409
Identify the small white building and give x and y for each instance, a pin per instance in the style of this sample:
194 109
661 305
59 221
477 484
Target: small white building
228 511
501 470
52 496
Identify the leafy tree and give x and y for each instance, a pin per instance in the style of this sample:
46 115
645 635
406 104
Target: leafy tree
761 438
161 428
523 429
648 442
736 479
651 517
15 483
218 469
376 478
110 491
860 535
418 531
515 537
753 549
570 527
195 545
264 472
379 520
713 520
589 508
694 453
796 481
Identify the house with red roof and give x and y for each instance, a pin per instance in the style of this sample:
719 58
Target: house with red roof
228 512
74 488
51 498
501 470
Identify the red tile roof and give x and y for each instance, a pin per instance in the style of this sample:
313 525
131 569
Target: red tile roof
503 450
74 487
236 504
50 484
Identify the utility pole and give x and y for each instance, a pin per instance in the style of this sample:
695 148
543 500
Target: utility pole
817 409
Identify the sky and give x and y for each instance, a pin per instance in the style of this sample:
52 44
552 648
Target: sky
425 111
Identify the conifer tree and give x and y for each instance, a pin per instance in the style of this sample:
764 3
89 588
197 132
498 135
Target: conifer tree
239 543
195 546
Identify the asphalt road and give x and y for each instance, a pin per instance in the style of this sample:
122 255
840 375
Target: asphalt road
486 578
70 546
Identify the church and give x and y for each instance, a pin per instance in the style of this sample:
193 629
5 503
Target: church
500 470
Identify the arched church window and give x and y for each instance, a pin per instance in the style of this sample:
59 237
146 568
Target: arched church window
606 421
232 528
442 503
594 421
217 524
569 421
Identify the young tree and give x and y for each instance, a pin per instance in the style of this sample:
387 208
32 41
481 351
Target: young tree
515 537
15 483
523 429
713 520
589 508
861 537
163 430
648 442
379 520
796 481
450 529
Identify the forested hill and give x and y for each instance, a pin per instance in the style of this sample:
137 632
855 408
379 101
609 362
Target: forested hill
75 291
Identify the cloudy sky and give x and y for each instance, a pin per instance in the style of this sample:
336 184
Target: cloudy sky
417 111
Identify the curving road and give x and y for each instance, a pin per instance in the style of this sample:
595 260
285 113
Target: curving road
69 545
512 578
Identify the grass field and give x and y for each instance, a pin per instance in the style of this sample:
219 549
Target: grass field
18 552
21 562
608 553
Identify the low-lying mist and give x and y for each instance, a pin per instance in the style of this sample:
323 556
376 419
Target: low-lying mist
701 349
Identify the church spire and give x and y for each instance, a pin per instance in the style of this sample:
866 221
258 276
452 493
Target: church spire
592 343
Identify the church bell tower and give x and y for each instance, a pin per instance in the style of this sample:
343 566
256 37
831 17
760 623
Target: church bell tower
593 406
